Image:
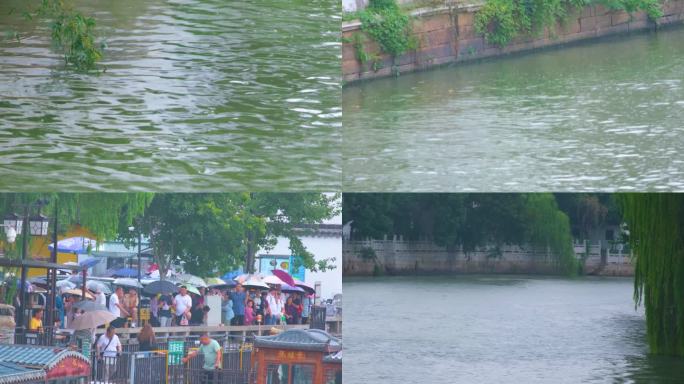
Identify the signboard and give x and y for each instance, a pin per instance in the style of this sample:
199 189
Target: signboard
176 350
267 263
144 314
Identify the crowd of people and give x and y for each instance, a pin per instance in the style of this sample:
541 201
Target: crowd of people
239 306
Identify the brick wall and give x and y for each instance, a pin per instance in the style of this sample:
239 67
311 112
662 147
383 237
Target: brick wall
447 35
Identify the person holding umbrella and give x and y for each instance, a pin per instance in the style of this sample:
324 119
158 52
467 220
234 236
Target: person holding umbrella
183 304
165 303
239 297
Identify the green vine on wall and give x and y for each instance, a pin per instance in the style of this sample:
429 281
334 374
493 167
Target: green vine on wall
500 21
385 23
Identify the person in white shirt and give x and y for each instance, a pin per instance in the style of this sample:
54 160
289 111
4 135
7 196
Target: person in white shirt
100 297
183 304
108 348
275 307
117 309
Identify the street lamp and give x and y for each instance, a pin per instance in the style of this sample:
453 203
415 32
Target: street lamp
38 225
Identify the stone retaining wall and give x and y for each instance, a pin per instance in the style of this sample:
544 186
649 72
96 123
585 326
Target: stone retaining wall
405 257
447 35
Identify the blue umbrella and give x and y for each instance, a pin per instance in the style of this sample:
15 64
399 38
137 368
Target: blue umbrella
231 275
89 262
77 245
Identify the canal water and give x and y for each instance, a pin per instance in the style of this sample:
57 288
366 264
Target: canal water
197 95
498 329
602 115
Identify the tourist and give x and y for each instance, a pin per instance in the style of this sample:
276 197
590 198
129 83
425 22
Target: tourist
249 312
198 314
146 339
306 308
212 354
239 297
117 309
227 309
154 311
298 309
59 305
108 348
262 308
290 311
275 307
183 304
100 297
36 322
165 303
131 303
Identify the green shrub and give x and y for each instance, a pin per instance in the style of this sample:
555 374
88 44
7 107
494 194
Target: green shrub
390 28
496 21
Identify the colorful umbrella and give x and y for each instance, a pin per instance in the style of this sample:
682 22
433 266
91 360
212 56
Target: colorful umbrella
192 289
125 272
291 289
187 278
284 276
273 279
255 283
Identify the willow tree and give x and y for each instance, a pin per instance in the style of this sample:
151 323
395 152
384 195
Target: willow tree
656 230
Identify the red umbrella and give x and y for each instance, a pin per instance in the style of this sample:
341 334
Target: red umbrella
284 276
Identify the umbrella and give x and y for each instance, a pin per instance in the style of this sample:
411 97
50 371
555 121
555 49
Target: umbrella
213 281
65 284
78 292
307 287
89 262
89 306
192 289
94 285
254 283
291 289
284 276
187 278
91 320
127 282
27 286
39 280
160 286
273 279
77 244
125 272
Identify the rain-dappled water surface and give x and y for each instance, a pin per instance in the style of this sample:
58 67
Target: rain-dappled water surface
498 329
196 95
603 115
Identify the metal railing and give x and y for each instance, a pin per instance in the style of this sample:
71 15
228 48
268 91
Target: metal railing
155 367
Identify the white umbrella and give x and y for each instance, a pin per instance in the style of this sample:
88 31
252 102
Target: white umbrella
192 289
197 281
273 279
254 283
92 319
127 282
94 285
65 285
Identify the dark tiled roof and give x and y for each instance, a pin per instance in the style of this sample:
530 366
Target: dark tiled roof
333 358
34 356
12 373
301 339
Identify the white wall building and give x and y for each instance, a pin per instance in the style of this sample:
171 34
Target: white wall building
324 243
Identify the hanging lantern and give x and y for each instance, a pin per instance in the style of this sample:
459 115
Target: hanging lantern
13 221
38 225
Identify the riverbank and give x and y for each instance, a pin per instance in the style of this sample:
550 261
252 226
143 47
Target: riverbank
396 257
447 35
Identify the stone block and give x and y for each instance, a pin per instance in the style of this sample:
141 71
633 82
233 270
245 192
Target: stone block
640 25
436 52
466 32
350 67
600 10
465 19
348 52
437 37
569 27
619 18
613 30
471 47
587 11
604 21
433 22
587 24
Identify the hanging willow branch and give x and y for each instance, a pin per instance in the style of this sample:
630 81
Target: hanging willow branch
656 223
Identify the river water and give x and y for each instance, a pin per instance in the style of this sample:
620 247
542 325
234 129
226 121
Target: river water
498 329
204 94
603 115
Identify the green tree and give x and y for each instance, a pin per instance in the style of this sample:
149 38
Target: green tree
656 225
